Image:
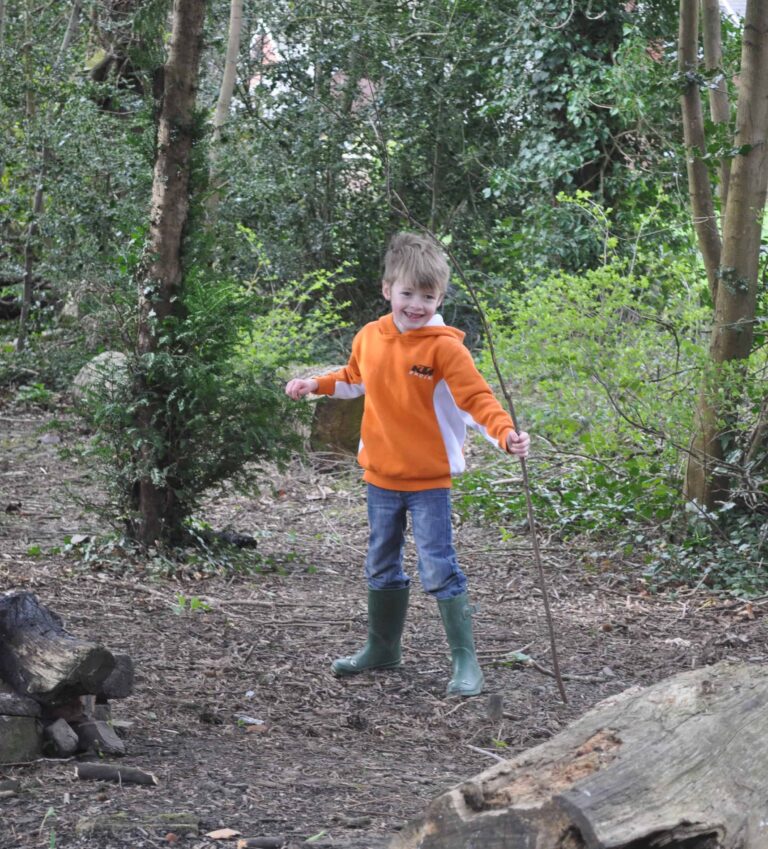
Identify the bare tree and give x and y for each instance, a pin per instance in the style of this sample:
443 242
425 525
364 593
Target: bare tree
732 265
221 115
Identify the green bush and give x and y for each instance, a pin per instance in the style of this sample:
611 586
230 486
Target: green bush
607 364
295 321
216 416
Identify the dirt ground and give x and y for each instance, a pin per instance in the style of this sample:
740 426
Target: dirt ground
341 763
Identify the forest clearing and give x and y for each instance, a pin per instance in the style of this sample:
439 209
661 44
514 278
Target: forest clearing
541 221
351 761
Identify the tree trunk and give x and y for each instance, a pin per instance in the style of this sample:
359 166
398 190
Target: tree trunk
39 659
28 290
699 187
719 107
74 20
736 290
735 306
160 280
681 763
221 115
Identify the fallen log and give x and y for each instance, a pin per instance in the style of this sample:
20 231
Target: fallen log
38 658
109 772
681 763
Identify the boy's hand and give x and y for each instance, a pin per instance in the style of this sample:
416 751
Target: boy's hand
298 387
518 443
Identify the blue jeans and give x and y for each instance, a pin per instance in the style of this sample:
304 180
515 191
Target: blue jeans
430 511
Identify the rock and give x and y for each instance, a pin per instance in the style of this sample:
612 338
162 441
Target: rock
98 736
103 711
62 737
21 739
70 312
103 377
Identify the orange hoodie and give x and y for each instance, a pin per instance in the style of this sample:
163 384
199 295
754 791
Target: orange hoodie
422 390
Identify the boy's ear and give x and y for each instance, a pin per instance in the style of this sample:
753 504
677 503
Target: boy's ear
386 290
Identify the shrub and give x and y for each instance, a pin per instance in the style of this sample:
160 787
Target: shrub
608 363
216 415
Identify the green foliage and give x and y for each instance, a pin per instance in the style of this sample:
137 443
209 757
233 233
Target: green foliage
724 551
215 417
298 321
585 498
189 604
612 359
46 366
609 362
34 395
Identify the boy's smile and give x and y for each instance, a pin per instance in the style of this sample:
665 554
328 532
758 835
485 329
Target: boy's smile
412 308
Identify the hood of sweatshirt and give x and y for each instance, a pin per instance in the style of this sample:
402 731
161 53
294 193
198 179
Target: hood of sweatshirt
435 327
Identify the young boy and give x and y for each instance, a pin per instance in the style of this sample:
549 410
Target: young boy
422 390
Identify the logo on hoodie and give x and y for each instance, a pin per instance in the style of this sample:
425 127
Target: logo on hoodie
424 372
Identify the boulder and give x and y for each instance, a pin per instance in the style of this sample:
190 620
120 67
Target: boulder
104 376
21 739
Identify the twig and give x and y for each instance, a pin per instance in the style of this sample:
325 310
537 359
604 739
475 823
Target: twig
486 752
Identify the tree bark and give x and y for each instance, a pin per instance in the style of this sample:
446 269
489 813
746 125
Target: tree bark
719 106
221 115
160 280
39 659
681 763
28 289
735 306
736 287
74 20
699 188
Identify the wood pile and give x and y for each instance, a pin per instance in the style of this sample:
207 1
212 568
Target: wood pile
55 689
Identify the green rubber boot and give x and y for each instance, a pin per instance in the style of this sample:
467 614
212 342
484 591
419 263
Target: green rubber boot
467 678
386 619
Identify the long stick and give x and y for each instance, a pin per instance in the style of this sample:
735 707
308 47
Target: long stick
403 210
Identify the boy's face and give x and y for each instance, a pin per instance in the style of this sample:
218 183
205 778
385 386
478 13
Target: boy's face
412 308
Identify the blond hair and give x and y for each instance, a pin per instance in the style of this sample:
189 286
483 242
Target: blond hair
416 261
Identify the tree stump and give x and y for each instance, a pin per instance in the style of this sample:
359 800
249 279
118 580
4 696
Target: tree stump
336 425
38 658
681 763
